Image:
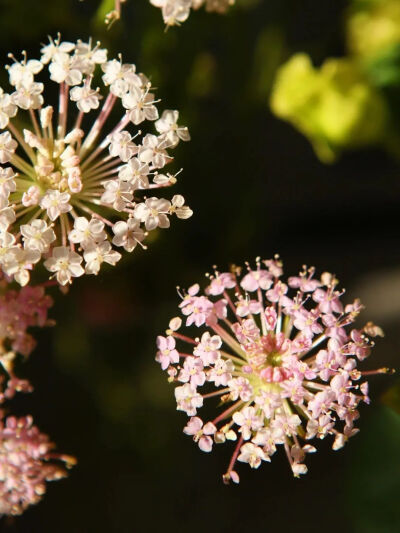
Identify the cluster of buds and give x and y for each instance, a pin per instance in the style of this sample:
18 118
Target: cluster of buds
27 463
278 356
67 196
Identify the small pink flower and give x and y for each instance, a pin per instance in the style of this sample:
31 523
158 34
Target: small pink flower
208 348
167 353
256 279
220 283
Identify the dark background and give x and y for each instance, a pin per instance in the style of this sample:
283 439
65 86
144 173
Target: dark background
256 188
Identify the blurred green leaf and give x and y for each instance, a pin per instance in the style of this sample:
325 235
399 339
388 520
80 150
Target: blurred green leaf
384 69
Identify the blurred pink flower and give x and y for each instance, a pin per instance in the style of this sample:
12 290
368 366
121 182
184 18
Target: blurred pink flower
27 463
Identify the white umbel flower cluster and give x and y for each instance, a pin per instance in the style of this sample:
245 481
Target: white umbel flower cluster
73 188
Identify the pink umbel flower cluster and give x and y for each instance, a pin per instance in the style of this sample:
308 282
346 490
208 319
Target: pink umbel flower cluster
26 457
72 188
20 310
27 462
279 357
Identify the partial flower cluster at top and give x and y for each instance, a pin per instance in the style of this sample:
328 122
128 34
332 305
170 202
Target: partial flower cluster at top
74 187
174 12
278 357
27 459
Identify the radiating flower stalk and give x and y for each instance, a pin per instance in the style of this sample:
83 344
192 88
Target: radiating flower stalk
174 12
72 186
278 358
27 459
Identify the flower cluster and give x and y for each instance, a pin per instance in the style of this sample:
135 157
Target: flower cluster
280 358
27 462
66 196
174 12
26 457
19 310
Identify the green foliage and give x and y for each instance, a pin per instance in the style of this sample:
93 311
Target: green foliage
372 26
334 106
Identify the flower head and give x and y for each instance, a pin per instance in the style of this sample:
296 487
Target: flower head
27 463
77 181
278 355
20 310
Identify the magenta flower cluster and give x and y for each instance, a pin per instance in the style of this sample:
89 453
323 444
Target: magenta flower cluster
279 357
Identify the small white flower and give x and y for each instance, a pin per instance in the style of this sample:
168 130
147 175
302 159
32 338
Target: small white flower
7 213
23 73
128 234
167 125
7 240
8 145
28 96
37 235
7 109
31 196
95 255
50 50
253 455
140 105
153 212
120 77
152 151
121 146
117 193
89 57
136 173
18 263
86 232
63 67
86 98
65 263
178 207
55 202
7 182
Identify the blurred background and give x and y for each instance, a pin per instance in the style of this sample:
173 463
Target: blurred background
294 112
